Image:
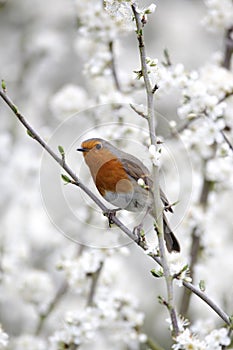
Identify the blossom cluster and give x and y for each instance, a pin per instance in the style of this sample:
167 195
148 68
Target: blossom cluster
215 340
35 259
114 313
219 14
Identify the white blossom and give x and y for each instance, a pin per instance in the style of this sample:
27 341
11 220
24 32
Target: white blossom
36 287
180 269
29 342
77 269
150 9
220 170
155 155
219 14
182 323
69 100
113 311
141 182
4 339
120 12
186 341
217 338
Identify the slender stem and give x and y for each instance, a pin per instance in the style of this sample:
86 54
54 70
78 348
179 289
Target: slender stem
122 227
157 207
134 108
227 140
152 345
186 296
208 301
95 277
113 67
60 293
58 296
228 48
196 244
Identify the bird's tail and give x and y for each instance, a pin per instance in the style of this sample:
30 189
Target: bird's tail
170 239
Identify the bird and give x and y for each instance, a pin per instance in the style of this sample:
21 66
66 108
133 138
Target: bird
119 176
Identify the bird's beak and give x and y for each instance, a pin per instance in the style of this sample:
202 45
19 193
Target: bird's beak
82 149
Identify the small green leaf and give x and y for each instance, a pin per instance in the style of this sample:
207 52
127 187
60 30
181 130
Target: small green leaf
231 321
15 109
157 274
30 134
185 268
66 179
142 233
139 32
161 300
167 61
202 285
3 85
61 150
138 73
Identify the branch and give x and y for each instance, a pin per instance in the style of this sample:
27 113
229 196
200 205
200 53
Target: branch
196 243
208 301
152 345
113 67
157 207
136 110
60 293
95 277
194 250
116 221
228 48
227 140
58 296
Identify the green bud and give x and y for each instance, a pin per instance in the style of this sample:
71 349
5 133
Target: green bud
65 178
30 134
157 274
142 233
161 300
15 109
61 150
167 61
185 268
202 285
3 85
138 73
231 321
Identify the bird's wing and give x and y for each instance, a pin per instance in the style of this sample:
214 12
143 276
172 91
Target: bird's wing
140 171
137 171
165 201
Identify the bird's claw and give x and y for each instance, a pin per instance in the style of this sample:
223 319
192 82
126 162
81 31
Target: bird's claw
110 213
139 233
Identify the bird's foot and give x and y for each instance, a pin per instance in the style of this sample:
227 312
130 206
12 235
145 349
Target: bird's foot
110 213
169 207
139 233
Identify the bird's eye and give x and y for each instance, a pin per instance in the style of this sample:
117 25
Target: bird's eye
98 146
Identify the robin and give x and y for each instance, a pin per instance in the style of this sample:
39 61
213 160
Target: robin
124 181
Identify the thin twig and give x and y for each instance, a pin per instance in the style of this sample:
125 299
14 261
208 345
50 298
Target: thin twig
95 199
196 243
228 48
95 277
136 110
60 293
113 67
157 208
152 345
227 140
208 301
57 298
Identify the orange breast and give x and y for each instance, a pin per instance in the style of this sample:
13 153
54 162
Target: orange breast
112 177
